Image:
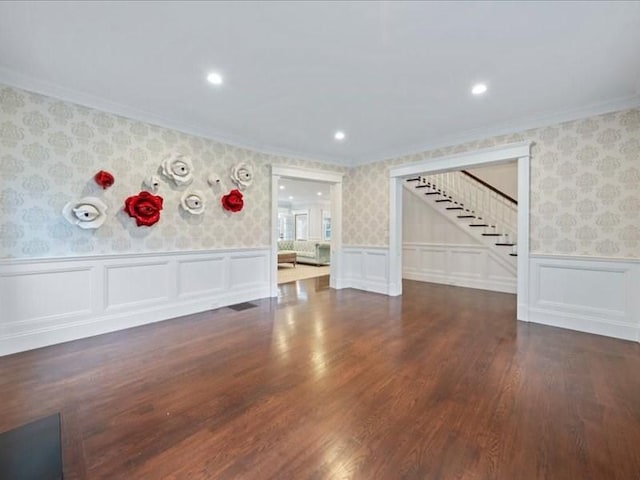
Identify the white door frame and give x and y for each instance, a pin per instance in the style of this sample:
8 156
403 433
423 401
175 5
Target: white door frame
335 179
518 151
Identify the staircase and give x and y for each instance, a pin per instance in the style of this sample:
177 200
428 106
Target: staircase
489 215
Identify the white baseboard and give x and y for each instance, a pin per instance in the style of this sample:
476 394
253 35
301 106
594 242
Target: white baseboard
472 266
461 282
49 301
522 312
598 296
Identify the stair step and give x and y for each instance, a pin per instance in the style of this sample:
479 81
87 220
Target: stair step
492 234
443 200
478 225
432 193
500 244
423 186
513 254
455 208
417 179
467 216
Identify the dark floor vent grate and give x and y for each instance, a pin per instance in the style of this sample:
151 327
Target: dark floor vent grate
238 307
32 451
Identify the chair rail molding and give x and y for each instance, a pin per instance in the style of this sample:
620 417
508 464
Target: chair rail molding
54 300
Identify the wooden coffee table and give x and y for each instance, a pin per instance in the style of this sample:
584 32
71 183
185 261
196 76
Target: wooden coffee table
289 257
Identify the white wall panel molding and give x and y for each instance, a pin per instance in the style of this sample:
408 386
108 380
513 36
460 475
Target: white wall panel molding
594 295
197 276
472 266
365 268
130 284
48 301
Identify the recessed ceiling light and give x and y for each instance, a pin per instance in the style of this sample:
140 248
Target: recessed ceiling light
290 197
479 89
319 194
339 135
214 78
281 187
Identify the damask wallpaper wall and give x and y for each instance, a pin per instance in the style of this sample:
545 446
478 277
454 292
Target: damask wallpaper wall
50 151
585 188
585 182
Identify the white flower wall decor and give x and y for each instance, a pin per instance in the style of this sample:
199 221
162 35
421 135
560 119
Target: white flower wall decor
152 183
193 202
38 176
178 167
88 212
242 175
214 180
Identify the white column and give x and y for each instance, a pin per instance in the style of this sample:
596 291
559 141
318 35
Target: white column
523 239
395 236
273 269
335 272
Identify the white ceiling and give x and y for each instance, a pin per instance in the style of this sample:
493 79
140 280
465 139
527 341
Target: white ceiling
303 192
395 76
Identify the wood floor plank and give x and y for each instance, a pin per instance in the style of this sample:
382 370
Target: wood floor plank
440 383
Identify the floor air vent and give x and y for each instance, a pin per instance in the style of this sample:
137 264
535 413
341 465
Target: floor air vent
238 307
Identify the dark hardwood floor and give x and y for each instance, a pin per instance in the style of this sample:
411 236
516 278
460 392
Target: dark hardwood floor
441 383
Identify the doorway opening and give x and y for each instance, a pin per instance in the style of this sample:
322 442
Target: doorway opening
306 226
304 229
520 153
459 227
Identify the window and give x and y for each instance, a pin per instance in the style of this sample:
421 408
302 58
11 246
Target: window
285 226
302 226
326 225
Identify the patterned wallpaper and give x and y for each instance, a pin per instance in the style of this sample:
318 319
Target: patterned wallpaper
585 188
585 177
50 151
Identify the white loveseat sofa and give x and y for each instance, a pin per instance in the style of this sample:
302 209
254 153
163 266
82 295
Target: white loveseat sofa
311 252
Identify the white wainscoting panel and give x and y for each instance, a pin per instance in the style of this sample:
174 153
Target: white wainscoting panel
592 295
48 296
433 256
130 284
473 266
365 268
247 270
48 301
201 277
466 262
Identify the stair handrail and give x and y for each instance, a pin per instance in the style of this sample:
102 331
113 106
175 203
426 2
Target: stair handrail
494 206
490 187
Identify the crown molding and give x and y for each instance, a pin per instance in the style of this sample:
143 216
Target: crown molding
521 126
29 83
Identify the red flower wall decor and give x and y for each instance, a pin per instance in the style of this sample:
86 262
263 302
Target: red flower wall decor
233 201
104 179
144 207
